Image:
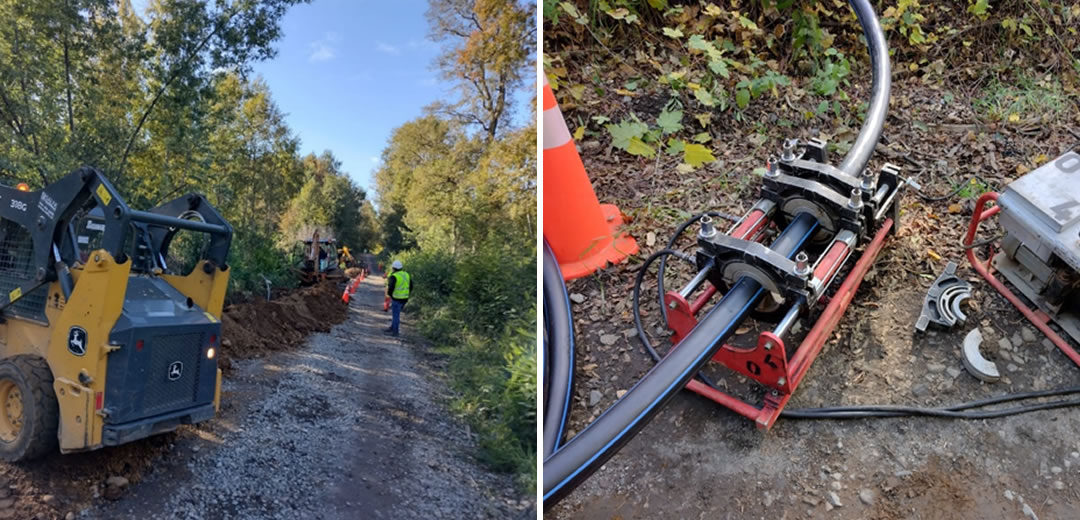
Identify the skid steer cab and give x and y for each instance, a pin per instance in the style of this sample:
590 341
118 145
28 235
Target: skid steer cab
111 317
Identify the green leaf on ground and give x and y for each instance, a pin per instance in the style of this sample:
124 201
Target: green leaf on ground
638 147
695 155
675 146
673 33
742 98
622 133
705 97
670 122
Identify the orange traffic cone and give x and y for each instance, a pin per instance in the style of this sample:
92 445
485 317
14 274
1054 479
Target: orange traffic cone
345 296
583 234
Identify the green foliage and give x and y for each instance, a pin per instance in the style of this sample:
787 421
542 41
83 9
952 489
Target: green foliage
254 257
979 8
1024 98
479 310
832 74
329 200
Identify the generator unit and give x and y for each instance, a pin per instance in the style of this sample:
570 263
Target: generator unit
1040 252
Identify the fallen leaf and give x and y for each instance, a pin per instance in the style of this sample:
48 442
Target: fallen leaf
933 254
955 208
650 239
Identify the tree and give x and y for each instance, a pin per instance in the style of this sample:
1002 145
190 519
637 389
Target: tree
328 200
491 48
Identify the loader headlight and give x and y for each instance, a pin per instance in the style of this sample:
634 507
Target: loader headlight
210 353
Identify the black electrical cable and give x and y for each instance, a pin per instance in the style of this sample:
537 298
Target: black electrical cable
559 332
593 446
662 255
960 411
636 308
671 245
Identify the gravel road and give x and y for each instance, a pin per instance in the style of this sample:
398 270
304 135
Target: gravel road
351 425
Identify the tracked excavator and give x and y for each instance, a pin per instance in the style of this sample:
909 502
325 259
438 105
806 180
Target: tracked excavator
105 337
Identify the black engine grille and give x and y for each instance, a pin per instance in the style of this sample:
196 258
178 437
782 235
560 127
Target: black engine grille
163 395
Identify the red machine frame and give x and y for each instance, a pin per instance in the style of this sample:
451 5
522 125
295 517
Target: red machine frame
767 362
1037 317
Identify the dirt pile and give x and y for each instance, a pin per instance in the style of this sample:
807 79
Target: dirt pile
253 329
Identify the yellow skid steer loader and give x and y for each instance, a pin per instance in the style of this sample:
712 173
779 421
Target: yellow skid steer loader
104 338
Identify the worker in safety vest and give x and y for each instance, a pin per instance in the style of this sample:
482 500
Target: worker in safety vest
398 286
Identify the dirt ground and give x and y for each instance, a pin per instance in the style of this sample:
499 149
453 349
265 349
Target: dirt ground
699 460
322 416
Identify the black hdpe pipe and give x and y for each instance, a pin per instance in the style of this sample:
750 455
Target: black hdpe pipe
584 453
559 361
569 465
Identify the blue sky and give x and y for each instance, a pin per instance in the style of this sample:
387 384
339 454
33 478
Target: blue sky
348 72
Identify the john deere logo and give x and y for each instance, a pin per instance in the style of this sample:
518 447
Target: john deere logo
77 341
176 369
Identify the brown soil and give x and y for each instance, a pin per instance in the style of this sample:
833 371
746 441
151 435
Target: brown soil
254 329
55 485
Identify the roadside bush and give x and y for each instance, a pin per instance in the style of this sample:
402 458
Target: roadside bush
495 378
479 311
433 272
252 257
491 288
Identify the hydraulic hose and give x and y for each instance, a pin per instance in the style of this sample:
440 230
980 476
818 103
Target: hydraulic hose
588 450
559 363
870 133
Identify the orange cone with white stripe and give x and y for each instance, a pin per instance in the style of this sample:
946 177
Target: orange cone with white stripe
583 234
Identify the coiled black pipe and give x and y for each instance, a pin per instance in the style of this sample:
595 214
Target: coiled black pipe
559 363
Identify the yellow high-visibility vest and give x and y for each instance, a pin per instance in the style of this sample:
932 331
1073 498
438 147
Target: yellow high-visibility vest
402 285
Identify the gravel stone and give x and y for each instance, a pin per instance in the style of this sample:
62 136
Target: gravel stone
350 417
594 398
834 499
866 496
1004 344
1028 334
577 298
920 390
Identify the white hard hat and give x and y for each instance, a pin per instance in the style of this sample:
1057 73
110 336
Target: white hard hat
396 264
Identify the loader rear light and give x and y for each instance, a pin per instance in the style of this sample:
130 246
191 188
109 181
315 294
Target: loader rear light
210 353
22 186
99 401
138 345
213 339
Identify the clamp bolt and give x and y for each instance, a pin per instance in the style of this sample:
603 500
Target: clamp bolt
771 169
781 381
672 305
855 202
789 150
868 181
769 345
707 229
802 264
